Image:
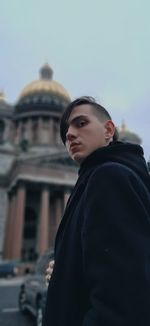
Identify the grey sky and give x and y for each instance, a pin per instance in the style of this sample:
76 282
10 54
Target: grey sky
98 48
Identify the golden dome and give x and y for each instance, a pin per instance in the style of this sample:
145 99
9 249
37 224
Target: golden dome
45 85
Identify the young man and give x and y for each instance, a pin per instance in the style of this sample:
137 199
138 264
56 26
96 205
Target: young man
101 275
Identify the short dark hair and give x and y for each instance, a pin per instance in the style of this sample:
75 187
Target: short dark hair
98 110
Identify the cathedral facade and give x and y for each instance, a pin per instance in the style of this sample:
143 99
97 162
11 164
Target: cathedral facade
36 174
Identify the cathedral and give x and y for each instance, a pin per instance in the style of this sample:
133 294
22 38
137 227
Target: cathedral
36 174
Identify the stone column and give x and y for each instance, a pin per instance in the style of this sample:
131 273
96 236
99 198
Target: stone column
29 131
51 131
44 221
8 229
40 130
12 131
18 133
18 222
58 139
58 211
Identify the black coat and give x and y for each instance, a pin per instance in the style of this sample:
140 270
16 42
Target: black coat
102 253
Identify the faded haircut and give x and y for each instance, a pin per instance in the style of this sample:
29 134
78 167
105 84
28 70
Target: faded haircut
98 110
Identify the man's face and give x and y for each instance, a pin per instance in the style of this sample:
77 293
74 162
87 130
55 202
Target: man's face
86 133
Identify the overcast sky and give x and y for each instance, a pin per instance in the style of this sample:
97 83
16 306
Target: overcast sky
95 47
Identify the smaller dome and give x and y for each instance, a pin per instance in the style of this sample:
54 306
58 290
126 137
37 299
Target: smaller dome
2 96
126 135
4 106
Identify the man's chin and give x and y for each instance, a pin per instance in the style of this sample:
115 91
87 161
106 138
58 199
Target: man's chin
77 158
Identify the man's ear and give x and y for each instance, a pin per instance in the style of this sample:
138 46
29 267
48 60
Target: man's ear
109 129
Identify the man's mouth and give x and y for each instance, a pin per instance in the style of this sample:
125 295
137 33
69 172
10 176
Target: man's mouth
74 146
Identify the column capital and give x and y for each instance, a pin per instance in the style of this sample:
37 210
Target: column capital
67 189
45 186
11 192
21 184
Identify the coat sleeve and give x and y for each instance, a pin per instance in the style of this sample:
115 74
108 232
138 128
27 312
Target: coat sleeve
116 250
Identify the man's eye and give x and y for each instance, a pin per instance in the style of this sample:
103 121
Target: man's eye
81 123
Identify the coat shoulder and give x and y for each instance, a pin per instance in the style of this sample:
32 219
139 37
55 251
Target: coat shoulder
111 169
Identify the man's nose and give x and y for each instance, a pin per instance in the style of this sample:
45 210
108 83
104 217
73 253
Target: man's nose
71 133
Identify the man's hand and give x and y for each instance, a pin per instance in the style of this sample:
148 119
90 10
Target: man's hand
49 271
